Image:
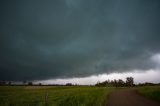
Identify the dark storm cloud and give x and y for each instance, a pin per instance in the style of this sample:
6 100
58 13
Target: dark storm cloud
75 38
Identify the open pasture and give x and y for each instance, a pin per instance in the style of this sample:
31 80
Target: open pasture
53 95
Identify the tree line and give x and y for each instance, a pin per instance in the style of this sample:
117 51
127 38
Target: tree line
129 82
117 83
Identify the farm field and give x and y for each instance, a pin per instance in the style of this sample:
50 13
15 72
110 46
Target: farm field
76 95
53 95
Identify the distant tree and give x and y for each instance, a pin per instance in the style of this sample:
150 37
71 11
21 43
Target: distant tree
68 84
97 84
30 83
105 83
121 83
9 83
2 82
40 84
147 84
115 83
24 82
129 81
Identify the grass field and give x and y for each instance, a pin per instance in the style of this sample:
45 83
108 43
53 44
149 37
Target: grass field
152 92
57 96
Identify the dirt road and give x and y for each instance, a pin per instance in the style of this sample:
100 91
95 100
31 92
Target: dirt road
129 97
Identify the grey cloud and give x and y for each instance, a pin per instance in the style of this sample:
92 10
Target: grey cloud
76 38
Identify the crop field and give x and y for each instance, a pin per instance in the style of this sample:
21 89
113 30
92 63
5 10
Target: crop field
53 95
68 95
152 92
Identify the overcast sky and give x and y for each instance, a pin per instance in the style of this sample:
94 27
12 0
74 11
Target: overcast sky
50 39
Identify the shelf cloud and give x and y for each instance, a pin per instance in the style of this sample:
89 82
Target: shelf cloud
45 39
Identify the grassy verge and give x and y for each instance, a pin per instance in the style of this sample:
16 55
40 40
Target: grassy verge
152 92
57 96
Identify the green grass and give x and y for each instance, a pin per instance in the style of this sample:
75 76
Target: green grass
152 92
57 96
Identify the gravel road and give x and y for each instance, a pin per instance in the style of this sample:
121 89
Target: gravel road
129 97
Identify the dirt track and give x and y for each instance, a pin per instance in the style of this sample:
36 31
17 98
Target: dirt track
129 97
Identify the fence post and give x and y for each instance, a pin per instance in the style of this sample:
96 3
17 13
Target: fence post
46 99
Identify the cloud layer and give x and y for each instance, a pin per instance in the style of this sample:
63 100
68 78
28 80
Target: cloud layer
77 38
